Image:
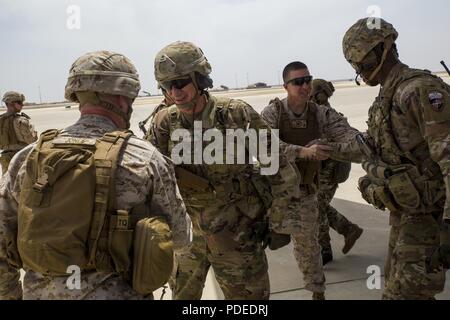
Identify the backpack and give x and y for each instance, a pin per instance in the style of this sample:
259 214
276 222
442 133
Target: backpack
7 133
67 210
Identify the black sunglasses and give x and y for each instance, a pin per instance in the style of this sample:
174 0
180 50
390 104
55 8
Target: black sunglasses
301 80
177 83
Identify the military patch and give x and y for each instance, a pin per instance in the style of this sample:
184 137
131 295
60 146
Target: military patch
299 124
436 101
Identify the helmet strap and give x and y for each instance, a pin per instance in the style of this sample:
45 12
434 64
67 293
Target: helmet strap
387 46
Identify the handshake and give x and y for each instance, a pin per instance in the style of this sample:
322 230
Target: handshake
316 150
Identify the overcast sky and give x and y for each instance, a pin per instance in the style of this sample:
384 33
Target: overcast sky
248 41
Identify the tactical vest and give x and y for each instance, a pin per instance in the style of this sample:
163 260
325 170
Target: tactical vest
300 132
214 184
419 185
8 135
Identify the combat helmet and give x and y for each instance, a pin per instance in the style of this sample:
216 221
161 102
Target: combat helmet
103 72
321 85
13 96
180 59
364 36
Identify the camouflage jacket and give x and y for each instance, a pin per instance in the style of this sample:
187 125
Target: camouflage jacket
23 134
238 115
332 125
144 177
409 123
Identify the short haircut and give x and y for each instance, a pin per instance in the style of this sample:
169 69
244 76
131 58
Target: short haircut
296 65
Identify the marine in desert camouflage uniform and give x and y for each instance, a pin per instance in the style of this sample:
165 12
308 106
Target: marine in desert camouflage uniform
301 123
144 178
227 210
331 174
16 130
407 159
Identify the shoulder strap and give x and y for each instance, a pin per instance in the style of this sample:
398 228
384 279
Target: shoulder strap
33 157
106 157
23 114
222 104
173 117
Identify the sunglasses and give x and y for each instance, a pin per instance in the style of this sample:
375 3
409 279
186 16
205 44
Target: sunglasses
370 62
361 67
177 84
301 80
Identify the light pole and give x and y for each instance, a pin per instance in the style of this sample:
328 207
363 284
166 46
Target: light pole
40 96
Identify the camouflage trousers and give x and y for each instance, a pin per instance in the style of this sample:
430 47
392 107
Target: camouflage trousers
92 286
329 216
306 244
224 238
411 239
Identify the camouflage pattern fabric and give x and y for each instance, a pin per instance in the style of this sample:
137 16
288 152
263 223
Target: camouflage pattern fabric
238 260
103 72
307 251
24 133
409 244
321 91
13 96
144 177
180 59
412 109
226 226
333 127
328 215
365 35
421 121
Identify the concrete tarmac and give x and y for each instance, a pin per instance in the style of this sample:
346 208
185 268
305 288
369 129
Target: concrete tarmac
347 276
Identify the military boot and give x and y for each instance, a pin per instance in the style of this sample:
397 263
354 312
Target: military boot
318 296
327 254
352 234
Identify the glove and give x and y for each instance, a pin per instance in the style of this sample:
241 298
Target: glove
275 240
439 257
368 192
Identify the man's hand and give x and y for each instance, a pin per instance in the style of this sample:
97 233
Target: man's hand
316 152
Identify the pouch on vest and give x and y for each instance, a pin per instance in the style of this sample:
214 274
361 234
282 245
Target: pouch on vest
404 191
66 201
153 255
341 172
308 171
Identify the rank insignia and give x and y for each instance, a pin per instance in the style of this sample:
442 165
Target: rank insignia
299 124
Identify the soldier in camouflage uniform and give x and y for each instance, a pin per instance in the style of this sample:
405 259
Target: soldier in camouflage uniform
331 174
226 202
301 123
16 131
105 84
406 154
